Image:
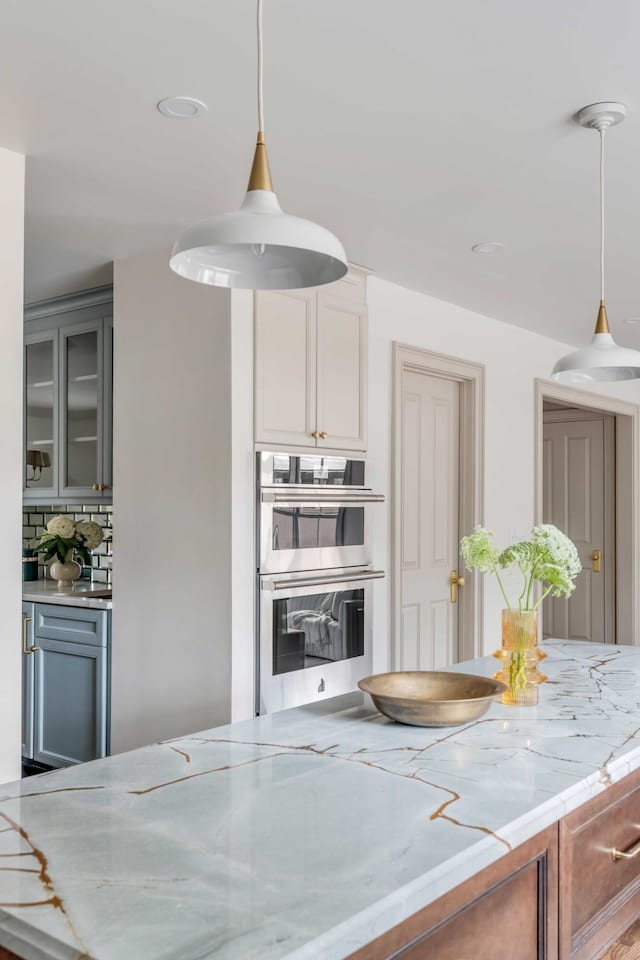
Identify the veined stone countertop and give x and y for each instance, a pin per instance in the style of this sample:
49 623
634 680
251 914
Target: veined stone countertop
306 833
83 594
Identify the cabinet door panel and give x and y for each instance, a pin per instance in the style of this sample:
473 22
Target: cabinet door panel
285 378
27 681
81 409
341 373
41 415
70 702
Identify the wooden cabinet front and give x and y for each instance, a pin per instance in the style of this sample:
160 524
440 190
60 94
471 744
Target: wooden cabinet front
600 890
507 912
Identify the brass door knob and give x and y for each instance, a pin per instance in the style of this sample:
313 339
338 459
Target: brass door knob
324 435
454 582
596 560
316 435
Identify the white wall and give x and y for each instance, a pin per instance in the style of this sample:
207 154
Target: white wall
173 495
11 339
513 358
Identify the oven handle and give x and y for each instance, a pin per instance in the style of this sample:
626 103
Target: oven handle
321 499
269 583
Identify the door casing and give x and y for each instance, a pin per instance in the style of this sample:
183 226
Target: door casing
471 378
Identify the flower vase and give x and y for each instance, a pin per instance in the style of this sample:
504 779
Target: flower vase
65 573
520 656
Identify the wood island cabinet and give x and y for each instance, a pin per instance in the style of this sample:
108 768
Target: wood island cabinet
563 895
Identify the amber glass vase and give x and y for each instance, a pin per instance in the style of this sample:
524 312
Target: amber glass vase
519 656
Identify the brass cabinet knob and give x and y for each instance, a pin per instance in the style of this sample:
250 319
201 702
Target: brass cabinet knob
96 487
102 486
316 435
324 435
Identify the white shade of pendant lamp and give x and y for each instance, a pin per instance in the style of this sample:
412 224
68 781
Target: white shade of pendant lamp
602 359
259 247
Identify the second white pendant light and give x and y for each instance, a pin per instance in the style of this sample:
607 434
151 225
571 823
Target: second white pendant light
603 359
259 247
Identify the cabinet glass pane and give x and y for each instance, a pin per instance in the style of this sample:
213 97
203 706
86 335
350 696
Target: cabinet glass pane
82 410
40 396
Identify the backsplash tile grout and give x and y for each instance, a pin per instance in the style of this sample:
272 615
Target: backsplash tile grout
34 521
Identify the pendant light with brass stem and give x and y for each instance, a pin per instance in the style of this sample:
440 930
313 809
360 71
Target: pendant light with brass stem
259 247
603 359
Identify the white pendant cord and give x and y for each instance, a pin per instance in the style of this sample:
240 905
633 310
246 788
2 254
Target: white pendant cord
602 132
260 81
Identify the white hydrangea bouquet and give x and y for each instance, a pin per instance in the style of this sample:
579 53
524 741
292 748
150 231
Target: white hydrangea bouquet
63 539
550 559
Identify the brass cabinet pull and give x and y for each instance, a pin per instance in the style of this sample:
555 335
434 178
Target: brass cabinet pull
454 582
324 435
316 434
596 560
25 648
629 854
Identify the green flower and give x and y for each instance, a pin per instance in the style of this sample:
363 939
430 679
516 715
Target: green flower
478 551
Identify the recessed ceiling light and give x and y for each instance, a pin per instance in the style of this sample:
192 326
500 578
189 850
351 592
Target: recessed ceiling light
633 320
181 108
488 246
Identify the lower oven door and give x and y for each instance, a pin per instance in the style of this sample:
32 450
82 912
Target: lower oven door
302 531
314 636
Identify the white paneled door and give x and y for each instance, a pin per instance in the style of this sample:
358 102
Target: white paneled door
430 425
578 498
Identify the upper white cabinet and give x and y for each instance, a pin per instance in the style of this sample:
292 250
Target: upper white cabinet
311 366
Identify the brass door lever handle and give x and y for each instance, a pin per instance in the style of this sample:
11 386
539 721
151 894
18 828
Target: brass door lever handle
454 582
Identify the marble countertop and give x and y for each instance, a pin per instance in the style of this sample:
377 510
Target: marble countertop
306 833
83 594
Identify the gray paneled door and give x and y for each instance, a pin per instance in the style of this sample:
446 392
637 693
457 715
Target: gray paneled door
579 493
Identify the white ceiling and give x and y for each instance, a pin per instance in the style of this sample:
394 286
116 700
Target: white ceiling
412 128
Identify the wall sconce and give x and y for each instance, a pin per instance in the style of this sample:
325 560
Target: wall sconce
37 460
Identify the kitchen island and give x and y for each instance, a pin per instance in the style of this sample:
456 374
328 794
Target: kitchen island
308 833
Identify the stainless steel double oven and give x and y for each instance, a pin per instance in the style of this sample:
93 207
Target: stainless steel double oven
314 577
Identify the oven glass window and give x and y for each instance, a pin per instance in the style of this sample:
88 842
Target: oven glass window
321 628
318 471
305 528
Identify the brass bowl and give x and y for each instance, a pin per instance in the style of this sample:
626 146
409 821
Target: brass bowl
432 698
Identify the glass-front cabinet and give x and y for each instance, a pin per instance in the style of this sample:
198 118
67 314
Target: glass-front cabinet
41 422
68 399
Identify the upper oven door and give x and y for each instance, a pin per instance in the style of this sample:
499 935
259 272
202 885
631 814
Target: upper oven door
314 530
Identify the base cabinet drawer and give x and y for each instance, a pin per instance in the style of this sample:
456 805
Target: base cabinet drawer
600 887
507 912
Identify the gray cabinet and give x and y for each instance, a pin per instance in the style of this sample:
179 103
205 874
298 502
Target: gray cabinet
68 675
68 398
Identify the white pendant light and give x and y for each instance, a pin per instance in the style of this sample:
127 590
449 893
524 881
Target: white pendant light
259 247
603 359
